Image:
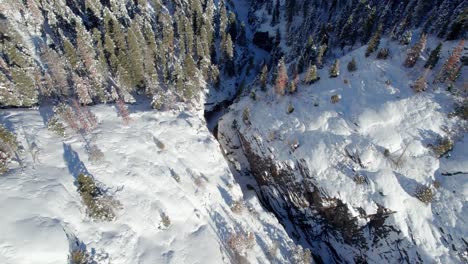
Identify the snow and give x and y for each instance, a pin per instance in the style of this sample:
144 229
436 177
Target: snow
45 218
378 110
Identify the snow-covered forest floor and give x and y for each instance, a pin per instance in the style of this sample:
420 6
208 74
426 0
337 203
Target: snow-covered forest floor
173 196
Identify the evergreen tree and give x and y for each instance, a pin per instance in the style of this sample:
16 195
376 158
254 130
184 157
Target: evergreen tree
374 42
70 53
311 75
335 69
434 57
292 88
420 84
229 48
135 57
352 66
281 78
415 52
321 53
406 37
450 68
264 77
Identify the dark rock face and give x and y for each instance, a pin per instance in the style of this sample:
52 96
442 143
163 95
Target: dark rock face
263 41
324 223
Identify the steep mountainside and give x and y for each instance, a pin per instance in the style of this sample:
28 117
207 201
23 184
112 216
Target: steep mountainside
343 123
356 166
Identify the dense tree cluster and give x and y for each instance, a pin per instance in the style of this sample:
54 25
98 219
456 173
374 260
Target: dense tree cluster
101 51
325 25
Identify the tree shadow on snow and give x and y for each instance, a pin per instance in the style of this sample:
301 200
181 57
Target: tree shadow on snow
74 164
407 184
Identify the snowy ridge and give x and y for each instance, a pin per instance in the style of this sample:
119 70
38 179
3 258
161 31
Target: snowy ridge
340 141
188 181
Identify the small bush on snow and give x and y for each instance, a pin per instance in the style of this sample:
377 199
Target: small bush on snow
246 116
442 146
383 54
165 221
359 179
239 243
424 194
290 109
237 206
335 99
79 256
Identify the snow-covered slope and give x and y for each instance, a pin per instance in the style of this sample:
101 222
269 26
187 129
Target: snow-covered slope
324 167
185 178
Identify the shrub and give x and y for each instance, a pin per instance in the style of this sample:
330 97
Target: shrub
246 116
239 243
158 101
334 70
383 54
386 153
335 99
359 179
253 95
56 126
420 84
79 256
352 66
290 109
237 206
424 194
165 221
98 205
442 146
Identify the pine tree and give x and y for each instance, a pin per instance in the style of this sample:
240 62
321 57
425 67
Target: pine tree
415 52
374 42
70 53
281 78
264 77
135 57
294 83
434 57
229 48
450 68
81 89
123 111
335 69
311 75
420 84
406 37
352 66
321 53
